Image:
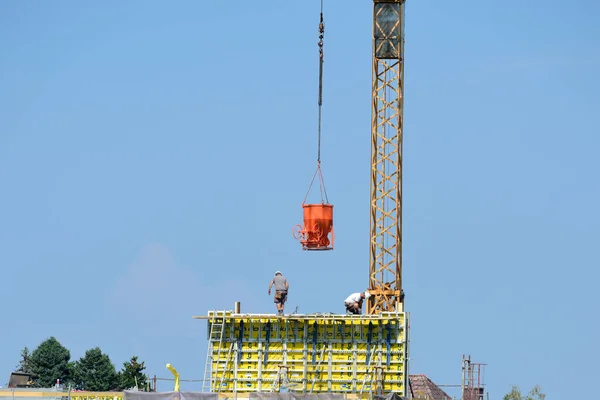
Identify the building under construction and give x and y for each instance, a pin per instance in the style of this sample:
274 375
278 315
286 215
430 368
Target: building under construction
362 355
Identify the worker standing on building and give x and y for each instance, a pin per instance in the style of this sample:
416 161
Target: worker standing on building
281 290
354 302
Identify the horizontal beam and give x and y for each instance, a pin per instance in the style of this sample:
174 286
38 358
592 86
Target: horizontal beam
384 292
300 317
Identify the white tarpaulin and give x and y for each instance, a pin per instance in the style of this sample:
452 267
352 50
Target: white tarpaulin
133 395
297 396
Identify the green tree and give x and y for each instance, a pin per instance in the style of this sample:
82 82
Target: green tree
132 375
25 361
534 394
95 372
49 362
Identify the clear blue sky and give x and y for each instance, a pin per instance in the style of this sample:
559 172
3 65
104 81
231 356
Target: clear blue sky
154 157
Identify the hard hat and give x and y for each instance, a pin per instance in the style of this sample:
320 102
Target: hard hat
367 294
278 272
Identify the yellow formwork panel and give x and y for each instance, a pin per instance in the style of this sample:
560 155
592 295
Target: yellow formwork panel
308 353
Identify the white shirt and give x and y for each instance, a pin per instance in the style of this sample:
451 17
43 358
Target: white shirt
353 298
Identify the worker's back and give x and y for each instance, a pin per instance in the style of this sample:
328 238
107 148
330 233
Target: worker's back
353 298
280 282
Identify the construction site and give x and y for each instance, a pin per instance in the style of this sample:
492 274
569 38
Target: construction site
357 354
364 353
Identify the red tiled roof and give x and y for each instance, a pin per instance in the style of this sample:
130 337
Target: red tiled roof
421 387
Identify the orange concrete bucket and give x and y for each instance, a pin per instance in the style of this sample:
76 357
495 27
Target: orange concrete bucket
317 232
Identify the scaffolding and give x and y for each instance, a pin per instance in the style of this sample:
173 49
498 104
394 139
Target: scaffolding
363 355
472 385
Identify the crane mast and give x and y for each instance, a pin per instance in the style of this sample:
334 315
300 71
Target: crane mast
385 269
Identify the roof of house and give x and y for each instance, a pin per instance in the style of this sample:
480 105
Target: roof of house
421 387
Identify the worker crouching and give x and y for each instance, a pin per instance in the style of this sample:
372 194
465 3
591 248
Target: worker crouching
281 290
354 302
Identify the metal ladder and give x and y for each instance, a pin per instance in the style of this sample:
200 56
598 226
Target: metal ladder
373 373
317 370
217 330
227 361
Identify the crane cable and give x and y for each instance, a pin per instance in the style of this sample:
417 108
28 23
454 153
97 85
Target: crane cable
320 103
321 35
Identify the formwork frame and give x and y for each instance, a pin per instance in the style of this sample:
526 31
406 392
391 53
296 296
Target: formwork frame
357 355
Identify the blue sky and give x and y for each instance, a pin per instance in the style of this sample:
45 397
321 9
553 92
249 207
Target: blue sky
154 157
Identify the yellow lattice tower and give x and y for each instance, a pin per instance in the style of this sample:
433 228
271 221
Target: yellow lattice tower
385 270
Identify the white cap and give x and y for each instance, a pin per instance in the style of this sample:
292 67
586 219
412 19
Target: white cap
278 272
367 294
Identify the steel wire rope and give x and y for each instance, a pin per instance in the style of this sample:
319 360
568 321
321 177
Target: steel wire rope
322 189
320 100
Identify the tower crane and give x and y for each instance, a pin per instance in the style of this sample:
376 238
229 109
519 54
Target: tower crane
385 261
